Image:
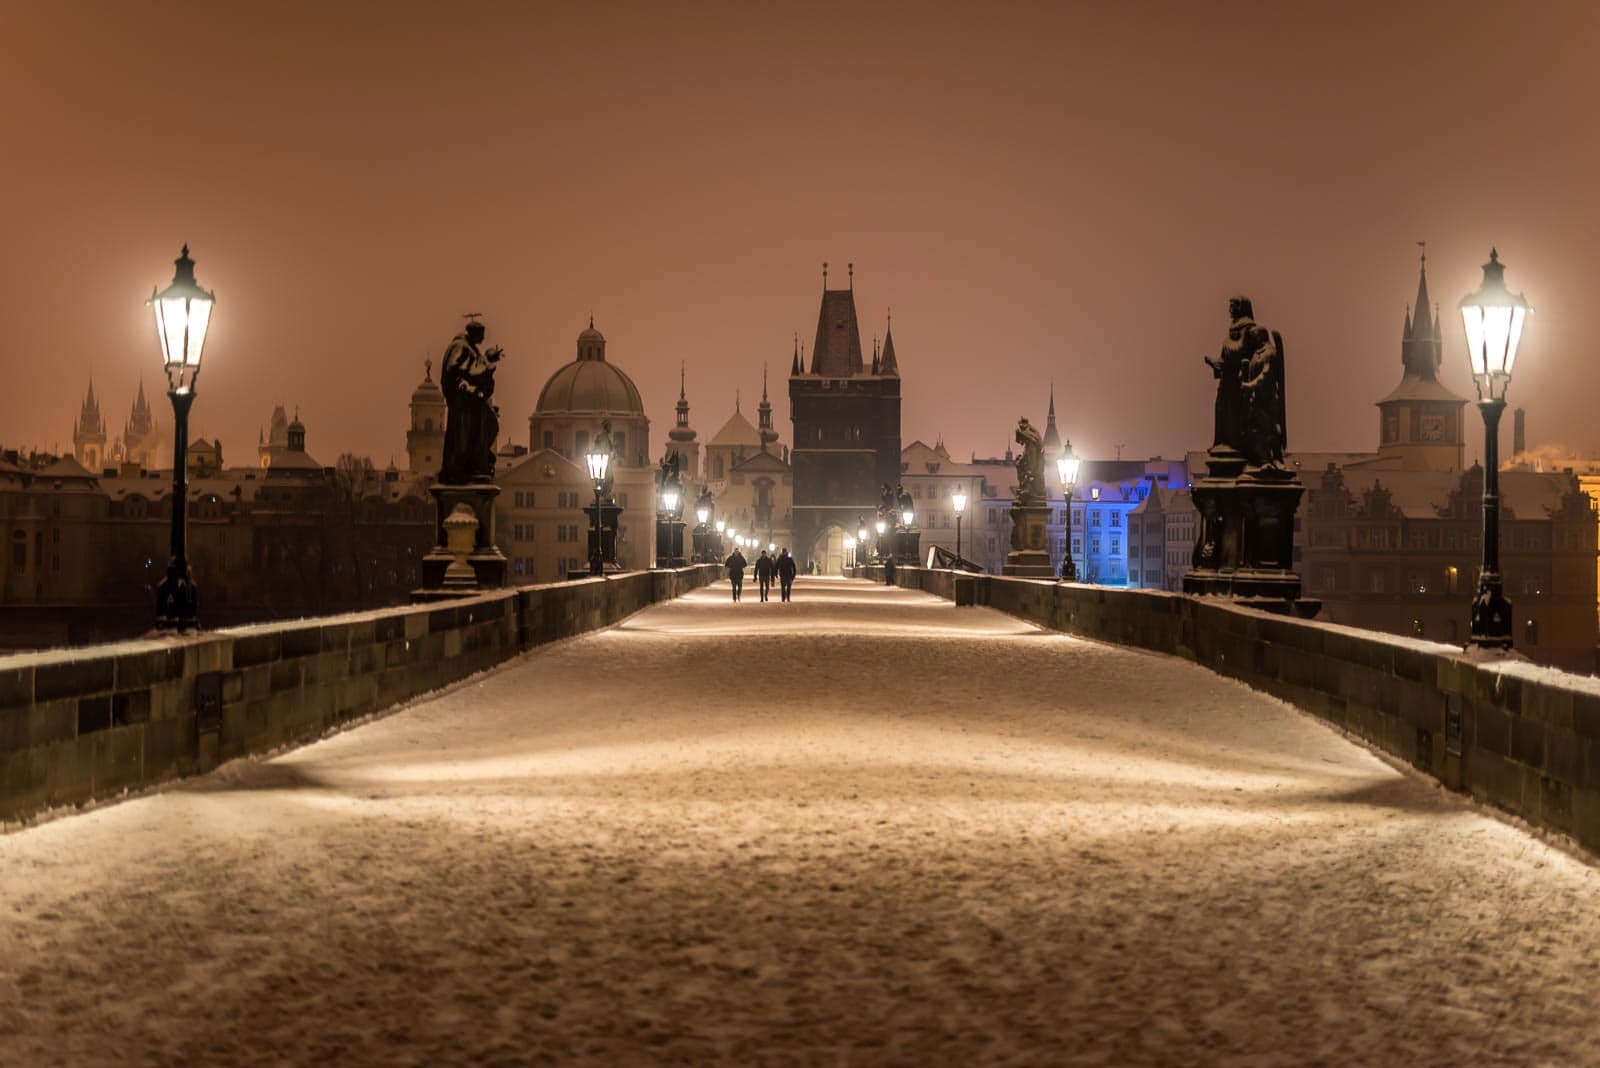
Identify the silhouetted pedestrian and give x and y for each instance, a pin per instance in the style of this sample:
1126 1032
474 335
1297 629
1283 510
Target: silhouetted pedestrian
766 570
786 571
736 565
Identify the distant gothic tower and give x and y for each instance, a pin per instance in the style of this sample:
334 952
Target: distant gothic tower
139 434
846 420
425 439
1419 423
89 434
681 439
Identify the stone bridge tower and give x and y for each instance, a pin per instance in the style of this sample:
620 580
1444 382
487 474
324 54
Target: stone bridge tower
846 418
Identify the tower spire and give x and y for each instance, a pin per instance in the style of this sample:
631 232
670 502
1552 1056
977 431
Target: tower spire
794 368
887 365
764 415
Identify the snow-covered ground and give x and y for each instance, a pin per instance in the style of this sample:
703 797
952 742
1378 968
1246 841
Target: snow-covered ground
863 828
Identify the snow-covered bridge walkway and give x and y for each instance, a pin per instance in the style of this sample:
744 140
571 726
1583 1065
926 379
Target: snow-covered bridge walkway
866 827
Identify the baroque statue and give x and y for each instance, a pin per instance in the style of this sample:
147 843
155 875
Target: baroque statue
1249 416
1030 463
472 422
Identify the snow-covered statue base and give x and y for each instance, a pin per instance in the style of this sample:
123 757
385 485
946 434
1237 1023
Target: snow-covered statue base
1244 547
1030 554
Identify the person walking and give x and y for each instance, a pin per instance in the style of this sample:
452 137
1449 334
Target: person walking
736 565
766 570
786 571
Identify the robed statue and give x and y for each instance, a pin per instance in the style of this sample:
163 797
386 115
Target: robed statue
668 478
1030 463
1249 416
472 422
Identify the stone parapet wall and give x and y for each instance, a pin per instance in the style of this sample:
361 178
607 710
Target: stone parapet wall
1518 736
81 724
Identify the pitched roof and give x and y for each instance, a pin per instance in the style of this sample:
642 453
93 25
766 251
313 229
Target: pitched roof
837 350
736 431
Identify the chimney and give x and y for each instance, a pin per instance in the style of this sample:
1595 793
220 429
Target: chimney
1519 432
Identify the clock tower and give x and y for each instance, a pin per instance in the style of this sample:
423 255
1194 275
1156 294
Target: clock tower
1419 423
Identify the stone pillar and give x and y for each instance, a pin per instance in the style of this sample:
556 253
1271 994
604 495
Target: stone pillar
1030 554
487 562
1244 547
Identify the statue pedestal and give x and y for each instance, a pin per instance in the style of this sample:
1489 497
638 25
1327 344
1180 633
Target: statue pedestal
910 544
486 560
610 515
1029 556
669 543
1244 548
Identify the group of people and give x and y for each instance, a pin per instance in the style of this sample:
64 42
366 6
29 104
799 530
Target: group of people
767 568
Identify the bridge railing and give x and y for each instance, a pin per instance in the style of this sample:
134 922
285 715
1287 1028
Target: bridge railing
80 724
1519 736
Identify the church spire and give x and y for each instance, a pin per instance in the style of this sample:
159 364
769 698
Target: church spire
1420 347
1052 436
683 397
794 368
764 415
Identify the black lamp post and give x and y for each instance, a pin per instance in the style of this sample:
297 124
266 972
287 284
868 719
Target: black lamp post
1493 317
1067 468
959 500
183 312
599 461
704 509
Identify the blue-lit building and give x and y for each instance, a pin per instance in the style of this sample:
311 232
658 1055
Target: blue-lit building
1105 497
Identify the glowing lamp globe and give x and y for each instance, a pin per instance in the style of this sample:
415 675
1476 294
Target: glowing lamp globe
1493 317
599 461
722 524
960 502
881 526
183 312
861 535
849 542
908 517
669 501
701 515
1067 467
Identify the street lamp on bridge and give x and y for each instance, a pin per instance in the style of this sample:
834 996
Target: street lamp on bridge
1067 468
598 460
959 501
183 314
1493 317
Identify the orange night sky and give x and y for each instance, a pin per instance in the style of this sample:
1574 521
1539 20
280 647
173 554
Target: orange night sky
1039 190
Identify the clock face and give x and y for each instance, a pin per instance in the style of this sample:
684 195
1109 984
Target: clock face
1432 428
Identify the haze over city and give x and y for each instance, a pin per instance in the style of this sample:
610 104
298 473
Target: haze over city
1040 193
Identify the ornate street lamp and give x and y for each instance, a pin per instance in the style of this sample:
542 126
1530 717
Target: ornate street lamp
1067 468
183 312
959 500
880 526
599 461
1493 317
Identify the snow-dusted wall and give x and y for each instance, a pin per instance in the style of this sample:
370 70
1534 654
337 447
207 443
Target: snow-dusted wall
1516 735
81 724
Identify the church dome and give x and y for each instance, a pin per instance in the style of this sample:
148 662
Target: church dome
589 383
590 386
427 391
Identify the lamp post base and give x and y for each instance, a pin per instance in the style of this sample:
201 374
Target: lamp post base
1490 626
177 601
